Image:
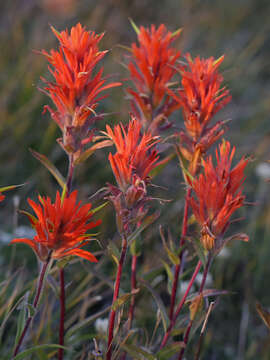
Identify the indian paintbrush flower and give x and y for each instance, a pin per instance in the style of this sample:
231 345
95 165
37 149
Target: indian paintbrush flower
134 159
202 95
60 227
218 194
77 87
152 66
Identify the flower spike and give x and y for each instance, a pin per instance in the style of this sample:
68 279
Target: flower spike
202 95
218 195
60 227
151 67
77 87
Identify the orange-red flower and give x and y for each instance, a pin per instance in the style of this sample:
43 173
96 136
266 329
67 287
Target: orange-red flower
77 87
135 156
61 227
151 67
202 95
218 195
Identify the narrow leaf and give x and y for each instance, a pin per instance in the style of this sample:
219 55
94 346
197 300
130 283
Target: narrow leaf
87 153
145 223
98 208
10 187
160 305
138 353
167 352
135 27
52 169
264 314
123 299
27 352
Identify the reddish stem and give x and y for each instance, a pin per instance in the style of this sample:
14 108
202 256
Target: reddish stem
62 272
115 297
179 307
62 313
133 287
178 266
186 337
35 304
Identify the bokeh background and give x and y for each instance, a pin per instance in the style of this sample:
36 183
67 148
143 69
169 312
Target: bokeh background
240 30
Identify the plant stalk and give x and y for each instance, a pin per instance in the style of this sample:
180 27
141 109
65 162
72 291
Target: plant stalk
62 271
40 285
186 336
115 297
178 266
179 307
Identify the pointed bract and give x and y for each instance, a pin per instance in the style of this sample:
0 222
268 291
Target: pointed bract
151 67
218 193
77 87
60 227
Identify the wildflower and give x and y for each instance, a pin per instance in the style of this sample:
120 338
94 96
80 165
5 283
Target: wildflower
135 157
77 88
60 228
151 69
201 97
218 195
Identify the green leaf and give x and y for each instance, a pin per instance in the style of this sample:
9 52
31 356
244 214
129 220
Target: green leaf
199 250
138 353
168 270
21 318
10 187
64 191
145 223
27 352
113 252
87 153
160 305
172 255
135 27
167 352
136 247
98 208
52 169
86 322
123 299
177 32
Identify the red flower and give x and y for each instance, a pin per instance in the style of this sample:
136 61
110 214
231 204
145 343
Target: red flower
60 227
77 88
218 194
152 66
135 156
201 97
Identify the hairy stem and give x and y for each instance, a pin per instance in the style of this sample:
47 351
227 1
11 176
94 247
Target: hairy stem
62 271
133 287
115 297
186 336
180 305
62 313
35 304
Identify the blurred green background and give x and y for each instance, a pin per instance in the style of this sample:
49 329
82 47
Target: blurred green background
240 30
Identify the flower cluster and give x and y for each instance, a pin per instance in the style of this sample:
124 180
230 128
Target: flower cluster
134 159
218 195
151 67
77 87
201 97
61 228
